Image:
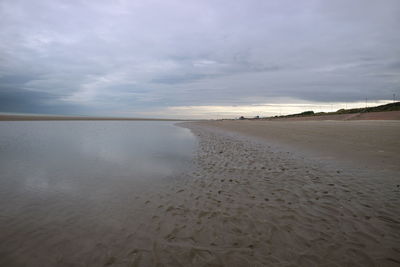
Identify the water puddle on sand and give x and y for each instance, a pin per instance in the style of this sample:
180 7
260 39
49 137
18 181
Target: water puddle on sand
72 192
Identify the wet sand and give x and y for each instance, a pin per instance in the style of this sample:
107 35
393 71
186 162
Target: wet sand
257 203
251 200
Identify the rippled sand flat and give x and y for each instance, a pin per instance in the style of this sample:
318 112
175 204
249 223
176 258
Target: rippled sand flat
252 203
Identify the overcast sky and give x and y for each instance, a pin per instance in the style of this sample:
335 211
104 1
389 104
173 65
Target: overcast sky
204 58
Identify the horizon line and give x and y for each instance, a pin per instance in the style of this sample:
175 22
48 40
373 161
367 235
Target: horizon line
32 116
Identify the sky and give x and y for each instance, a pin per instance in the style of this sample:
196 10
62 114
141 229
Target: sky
197 59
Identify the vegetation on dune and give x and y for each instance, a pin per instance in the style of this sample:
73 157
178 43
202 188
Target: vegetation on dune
387 107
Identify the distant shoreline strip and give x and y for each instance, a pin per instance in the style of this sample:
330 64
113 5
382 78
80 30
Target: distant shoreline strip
75 118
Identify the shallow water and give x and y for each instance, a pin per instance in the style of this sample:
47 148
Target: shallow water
70 192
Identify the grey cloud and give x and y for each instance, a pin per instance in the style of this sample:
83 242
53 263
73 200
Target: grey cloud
127 56
190 77
181 78
394 65
22 101
15 80
194 69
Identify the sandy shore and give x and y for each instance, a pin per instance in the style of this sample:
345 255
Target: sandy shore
371 144
252 200
255 203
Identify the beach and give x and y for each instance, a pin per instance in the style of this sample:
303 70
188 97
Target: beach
259 194
199 133
258 200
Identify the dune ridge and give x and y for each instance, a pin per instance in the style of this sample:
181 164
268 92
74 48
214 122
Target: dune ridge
382 115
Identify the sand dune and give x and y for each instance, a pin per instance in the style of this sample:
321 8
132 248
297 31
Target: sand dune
385 115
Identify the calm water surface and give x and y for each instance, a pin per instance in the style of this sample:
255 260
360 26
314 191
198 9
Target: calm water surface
70 191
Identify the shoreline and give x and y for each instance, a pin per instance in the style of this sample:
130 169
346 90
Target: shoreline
4 117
